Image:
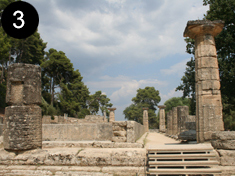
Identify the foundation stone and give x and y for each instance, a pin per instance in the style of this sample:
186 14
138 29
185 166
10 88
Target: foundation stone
23 119
208 97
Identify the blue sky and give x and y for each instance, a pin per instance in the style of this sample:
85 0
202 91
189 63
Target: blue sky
120 46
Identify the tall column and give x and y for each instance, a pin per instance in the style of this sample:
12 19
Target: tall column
182 117
23 118
174 121
162 125
208 97
169 122
146 119
111 114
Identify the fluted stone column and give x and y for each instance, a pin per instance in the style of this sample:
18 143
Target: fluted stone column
174 121
146 119
169 122
23 118
208 97
162 125
182 116
111 114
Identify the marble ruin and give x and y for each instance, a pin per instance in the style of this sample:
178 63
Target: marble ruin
111 114
23 119
208 97
146 119
162 123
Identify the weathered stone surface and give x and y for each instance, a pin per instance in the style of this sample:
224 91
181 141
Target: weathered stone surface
162 123
1 129
119 128
227 157
119 139
23 84
23 128
208 96
1 120
190 125
223 135
134 131
174 121
119 133
223 140
119 123
146 119
111 114
169 123
182 116
189 135
77 132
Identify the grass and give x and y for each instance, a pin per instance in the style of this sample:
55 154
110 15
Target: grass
79 151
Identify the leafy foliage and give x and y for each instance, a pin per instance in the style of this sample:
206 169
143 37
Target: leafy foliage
176 101
147 97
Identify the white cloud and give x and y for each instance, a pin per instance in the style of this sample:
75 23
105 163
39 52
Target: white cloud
178 69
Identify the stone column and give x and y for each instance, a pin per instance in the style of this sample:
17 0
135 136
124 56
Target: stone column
23 118
111 114
146 119
162 125
174 121
182 116
169 122
208 97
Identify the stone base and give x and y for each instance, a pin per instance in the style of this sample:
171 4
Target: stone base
23 128
189 135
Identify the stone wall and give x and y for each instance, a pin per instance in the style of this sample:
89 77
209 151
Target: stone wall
72 120
127 131
77 132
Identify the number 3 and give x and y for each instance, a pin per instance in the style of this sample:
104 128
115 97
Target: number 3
19 18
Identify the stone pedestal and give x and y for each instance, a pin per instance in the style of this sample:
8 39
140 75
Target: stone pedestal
23 119
208 97
146 119
174 121
162 125
182 117
169 122
111 114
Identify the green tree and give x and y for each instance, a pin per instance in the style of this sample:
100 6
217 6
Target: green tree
99 101
58 68
176 101
147 97
73 97
188 85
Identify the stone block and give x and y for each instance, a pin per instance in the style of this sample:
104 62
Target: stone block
205 51
205 62
119 123
226 145
119 128
223 135
119 139
119 133
189 135
190 125
23 128
210 84
23 84
227 157
207 74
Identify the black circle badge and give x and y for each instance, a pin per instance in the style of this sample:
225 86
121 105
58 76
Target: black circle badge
20 19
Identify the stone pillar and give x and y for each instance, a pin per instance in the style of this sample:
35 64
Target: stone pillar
208 97
111 114
174 121
162 125
23 118
182 117
169 122
146 119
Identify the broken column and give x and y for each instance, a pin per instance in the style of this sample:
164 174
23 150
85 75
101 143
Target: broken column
169 122
162 125
146 119
23 118
174 121
111 114
182 116
208 97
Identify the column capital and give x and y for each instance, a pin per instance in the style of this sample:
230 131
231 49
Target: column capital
145 108
200 27
112 109
161 106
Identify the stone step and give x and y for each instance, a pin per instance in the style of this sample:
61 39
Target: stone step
184 163
183 171
183 156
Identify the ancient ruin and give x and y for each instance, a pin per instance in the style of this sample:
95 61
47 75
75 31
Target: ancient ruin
162 123
23 121
174 121
146 119
169 122
208 96
111 114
